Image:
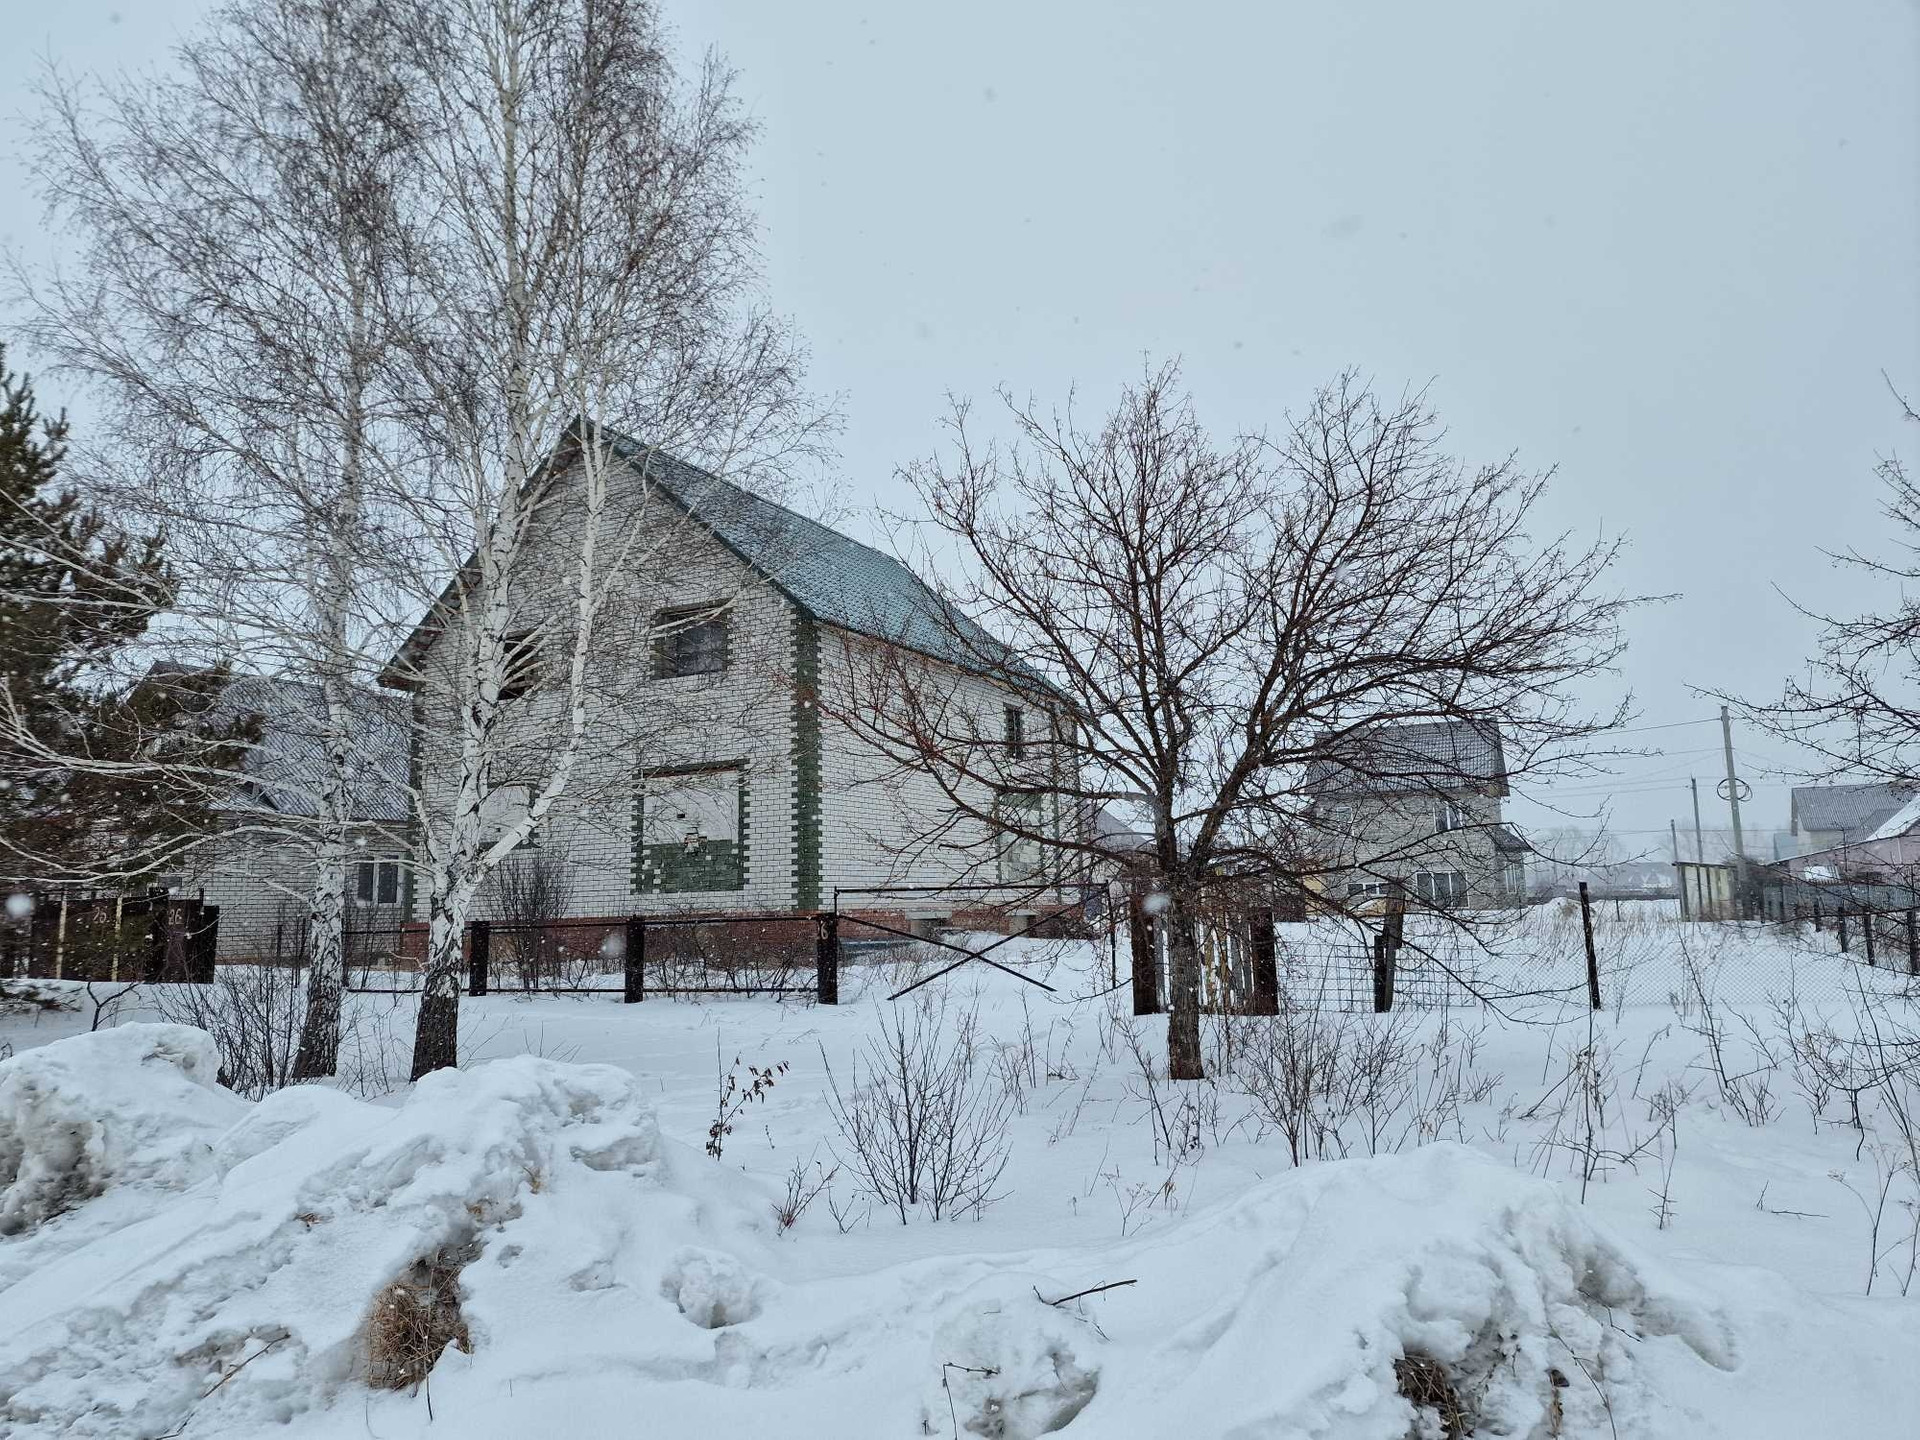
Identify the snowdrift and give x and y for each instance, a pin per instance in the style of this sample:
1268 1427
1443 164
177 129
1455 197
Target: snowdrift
609 1280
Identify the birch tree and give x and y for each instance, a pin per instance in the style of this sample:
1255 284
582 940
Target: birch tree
588 258
1208 619
239 286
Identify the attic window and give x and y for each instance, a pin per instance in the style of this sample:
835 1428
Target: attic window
1448 816
1016 732
689 642
520 664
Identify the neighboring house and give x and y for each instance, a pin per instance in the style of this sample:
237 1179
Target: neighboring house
1829 817
1891 849
259 869
711 780
1419 805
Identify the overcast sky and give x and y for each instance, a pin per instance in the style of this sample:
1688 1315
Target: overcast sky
1667 249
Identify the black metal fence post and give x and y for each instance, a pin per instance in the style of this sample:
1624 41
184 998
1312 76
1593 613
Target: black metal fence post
826 958
1265 997
1840 924
1593 960
1386 948
634 962
1913 942
1866 931
479 943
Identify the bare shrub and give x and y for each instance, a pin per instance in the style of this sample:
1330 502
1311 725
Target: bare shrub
927 1122
803 1188
1746 1088
732 1095
529 891
253 1013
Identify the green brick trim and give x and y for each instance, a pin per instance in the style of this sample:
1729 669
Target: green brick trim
806 761
717 865
416 772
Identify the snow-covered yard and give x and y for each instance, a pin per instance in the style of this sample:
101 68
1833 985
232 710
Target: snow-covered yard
1544 1224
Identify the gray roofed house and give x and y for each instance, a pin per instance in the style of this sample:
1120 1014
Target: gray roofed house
1824 816
260 866
720 770
1429 756
1419 806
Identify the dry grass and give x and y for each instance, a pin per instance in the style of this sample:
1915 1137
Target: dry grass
1424 1382
414 1320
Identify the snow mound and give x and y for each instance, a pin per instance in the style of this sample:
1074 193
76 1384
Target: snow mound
135 1104
317 1202
1010 1366
711 1289
1299 1298
603 1273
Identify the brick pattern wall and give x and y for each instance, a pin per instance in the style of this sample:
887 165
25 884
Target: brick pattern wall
1394 837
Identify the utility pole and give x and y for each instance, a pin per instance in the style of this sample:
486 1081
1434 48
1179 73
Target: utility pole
1673 833
1733 804
1699 845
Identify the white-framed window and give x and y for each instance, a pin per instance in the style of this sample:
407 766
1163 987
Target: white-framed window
1367 889
376 882
1449 816
1340 817
1441 887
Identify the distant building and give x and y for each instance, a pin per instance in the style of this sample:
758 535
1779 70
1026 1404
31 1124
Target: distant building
1826 817
1890 850
1420 805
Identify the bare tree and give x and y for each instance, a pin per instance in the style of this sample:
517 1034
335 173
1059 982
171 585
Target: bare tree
238 298
1206 621
1857 712
587 256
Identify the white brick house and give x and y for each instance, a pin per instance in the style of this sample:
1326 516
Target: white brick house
259 866
711 780
1419 805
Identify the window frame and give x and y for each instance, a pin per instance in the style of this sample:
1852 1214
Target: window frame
1450 815
522 664
1013 729
672 628
1427 888
369 881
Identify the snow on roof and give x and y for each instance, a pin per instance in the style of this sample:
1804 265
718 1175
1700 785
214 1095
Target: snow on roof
1854 810
1900 822
1398 759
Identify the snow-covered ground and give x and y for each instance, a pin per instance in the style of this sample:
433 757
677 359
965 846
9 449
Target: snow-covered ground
1562 1225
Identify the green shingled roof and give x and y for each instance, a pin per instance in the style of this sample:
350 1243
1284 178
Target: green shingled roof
833 577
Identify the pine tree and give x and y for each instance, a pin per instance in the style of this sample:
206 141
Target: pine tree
101 771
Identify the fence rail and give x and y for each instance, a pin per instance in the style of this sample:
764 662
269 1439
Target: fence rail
794 953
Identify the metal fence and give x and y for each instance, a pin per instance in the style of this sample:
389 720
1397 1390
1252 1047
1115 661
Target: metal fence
789 954
150 937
